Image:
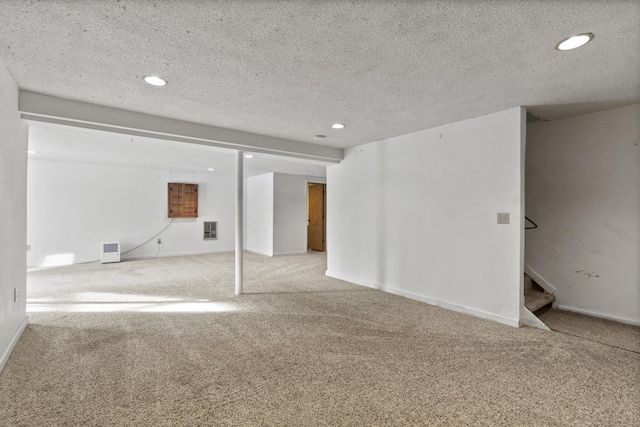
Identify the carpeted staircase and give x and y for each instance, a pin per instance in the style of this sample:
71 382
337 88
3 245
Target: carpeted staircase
534 296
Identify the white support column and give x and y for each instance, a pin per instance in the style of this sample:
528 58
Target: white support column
239 220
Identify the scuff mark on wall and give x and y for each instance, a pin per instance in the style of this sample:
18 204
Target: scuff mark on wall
589 275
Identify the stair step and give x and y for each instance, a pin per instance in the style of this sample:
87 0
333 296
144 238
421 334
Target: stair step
535 300
528 282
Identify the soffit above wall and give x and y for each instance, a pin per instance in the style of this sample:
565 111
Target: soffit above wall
67 144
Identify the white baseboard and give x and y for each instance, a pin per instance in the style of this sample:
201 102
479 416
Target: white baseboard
539 280
170 254
600 315
13 342
260 252
431 301
290 253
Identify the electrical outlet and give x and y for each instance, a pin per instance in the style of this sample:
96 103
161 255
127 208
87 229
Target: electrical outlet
503 218
28 247
159 241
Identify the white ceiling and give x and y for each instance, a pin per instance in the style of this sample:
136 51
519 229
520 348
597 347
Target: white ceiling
290 69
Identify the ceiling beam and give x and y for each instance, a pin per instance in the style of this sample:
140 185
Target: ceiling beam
50 109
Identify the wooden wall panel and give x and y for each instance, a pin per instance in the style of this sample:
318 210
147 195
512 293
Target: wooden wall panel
183 200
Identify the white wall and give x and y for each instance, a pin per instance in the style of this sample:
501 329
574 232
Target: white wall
260 214
72 207
13 211
416 215
290 215
277 214
583 191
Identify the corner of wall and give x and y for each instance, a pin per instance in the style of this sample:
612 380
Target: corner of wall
13 211
12 343
521 219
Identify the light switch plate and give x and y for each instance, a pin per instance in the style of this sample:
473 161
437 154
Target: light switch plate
503 218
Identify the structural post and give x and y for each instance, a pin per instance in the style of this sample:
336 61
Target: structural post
239 220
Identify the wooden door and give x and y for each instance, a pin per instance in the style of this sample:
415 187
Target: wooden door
190 201
176 194
316 231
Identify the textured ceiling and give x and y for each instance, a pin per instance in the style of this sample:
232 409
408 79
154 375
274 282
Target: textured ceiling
291 68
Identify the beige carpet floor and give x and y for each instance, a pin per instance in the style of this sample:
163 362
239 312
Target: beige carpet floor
603 331
165 342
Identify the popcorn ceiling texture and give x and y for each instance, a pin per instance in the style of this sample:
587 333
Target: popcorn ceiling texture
165 342
290 69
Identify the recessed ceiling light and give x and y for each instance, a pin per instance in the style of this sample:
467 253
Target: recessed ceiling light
248 156
155 80
31 152
337 126
210 169
574 42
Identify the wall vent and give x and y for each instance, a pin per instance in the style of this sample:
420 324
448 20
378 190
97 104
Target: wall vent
210 230
109 252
